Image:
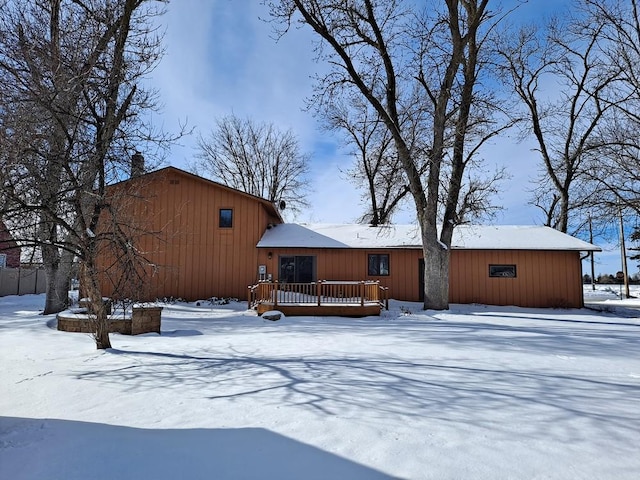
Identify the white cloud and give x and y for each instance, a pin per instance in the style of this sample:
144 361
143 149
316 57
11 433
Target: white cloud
222 58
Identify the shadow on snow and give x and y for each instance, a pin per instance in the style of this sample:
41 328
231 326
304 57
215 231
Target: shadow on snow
46 448
533 402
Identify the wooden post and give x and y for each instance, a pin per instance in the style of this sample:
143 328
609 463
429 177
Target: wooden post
275 293
319 292
362 293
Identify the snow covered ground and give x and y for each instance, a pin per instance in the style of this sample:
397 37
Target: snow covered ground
476 392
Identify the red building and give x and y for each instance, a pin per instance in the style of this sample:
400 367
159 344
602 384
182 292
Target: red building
9 249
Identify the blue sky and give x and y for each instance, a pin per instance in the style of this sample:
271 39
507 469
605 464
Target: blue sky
221 58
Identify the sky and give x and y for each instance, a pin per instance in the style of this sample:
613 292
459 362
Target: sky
222 58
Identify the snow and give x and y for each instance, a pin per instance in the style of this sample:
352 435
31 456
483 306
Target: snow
299 236
473 392
479 237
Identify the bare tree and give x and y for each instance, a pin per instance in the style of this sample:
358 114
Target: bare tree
71 115
616 169
377 168
409 62
635 237
256 158
568 90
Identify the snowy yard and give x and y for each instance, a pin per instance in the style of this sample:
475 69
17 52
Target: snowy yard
476 392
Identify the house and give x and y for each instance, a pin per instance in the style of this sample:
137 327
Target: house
9 249
198 236
528 266
205 239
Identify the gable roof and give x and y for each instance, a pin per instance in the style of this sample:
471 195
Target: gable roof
467 237
268 206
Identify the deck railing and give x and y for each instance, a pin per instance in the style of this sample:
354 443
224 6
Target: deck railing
322 292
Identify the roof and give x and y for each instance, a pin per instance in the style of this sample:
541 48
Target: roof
467 237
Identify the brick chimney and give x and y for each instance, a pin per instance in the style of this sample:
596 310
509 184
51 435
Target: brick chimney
137 164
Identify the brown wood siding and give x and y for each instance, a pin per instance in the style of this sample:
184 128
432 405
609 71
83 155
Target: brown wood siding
352 264
327 310
544 278
194 257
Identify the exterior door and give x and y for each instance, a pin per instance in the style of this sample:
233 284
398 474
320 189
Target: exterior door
297 269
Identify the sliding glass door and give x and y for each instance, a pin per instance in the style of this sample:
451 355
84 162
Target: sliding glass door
297 269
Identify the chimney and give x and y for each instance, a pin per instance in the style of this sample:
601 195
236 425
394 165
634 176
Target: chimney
137 164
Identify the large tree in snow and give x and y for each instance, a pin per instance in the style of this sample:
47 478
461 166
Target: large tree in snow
71 116
423 62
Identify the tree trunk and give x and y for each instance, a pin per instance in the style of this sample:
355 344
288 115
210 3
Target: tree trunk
58 270
96 308
57 293
100 320
436 276
102 328
563 221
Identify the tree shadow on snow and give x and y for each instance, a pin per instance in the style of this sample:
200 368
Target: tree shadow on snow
542 337
46 448
496 397
553 334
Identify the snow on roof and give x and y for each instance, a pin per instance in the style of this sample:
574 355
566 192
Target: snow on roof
469 237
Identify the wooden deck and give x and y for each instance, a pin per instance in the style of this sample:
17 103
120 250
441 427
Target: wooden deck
330 298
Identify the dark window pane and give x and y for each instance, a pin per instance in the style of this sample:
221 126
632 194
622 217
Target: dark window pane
504 271
378 264
384 264
297 269
373 265
287 269
226 218
304 269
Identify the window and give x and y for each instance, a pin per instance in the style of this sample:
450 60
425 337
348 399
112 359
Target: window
226 218
378 264
504 271
3 260
297 269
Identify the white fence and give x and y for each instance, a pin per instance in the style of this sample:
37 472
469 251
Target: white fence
22 281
